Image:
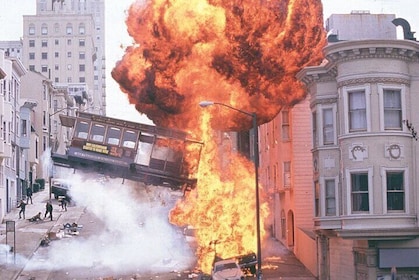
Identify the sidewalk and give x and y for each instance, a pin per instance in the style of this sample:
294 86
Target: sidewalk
29 234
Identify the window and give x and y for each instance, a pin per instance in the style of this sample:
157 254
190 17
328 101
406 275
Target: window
330 197
44 55
57 54
97 133
31 56
285 125
24 128
44 68
81 43
57 42
82 55
82 79
287 174
44 43
113 136
31 29
392 109
56 28
314 128
317 198
56 67
68 54
357 111
44 29
31 43
69 29
69 67
395 190
68 42
57 80
32 68
81 130
359 191
82 67
82 29
328 127
129 139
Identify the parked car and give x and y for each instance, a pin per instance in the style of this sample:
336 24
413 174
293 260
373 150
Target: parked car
60 188
227 270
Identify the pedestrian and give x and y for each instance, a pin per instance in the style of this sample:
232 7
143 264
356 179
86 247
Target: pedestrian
63 202
48 210
28 195
22 206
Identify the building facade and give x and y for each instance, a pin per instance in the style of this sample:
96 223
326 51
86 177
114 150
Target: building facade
13 163
64 41
363 102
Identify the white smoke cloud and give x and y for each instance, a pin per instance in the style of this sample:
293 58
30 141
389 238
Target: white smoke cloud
7 256
136 236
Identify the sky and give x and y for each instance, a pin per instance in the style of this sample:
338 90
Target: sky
116 35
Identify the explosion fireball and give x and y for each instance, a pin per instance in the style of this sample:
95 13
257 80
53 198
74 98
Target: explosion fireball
242 53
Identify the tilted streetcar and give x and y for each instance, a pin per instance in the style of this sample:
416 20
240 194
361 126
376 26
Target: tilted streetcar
139 152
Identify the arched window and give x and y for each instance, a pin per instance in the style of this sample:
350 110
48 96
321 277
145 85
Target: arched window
31 29
44 29
69 29
57 28
82 29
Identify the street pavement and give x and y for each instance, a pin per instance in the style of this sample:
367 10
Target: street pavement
278 262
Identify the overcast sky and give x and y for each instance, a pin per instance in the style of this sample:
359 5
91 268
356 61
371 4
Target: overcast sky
116 36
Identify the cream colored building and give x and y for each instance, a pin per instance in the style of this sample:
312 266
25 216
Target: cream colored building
13 175
363 102
64 41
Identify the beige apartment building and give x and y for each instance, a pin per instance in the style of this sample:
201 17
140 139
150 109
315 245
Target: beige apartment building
65 42
361 113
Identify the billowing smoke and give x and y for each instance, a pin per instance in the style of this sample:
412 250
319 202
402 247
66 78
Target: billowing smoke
242 53
133 233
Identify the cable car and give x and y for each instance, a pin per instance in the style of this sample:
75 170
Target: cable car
139 152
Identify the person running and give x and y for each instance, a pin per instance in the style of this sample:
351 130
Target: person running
48 210
22 206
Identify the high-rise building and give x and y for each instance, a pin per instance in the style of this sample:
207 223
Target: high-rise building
65 41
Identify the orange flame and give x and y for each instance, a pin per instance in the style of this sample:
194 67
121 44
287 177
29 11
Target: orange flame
242 53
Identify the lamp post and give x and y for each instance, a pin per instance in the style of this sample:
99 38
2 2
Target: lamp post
256 161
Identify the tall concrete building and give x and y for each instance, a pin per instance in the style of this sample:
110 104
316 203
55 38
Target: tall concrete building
363 101
65 41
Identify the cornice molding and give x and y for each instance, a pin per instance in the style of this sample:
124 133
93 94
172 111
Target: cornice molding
374 80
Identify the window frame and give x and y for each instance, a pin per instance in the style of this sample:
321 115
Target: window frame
333 125
381 90
327 198
349 201
285 125
384 172
346 93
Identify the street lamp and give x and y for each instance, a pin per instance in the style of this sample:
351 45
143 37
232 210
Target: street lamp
256 161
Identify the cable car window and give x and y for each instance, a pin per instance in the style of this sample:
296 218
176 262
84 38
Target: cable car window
82 129
97 133
129 139
162 151
113 136
144 153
